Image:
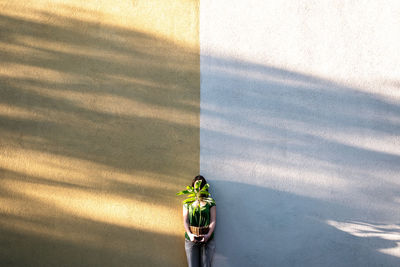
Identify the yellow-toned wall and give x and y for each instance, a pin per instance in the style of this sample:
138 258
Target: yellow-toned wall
99 127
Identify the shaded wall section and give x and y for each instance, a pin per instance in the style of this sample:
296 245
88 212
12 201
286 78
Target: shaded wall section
99 127
300 126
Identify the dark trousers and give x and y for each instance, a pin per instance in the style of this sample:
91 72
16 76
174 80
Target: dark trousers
199 255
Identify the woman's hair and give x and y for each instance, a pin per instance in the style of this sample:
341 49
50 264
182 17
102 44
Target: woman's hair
203 181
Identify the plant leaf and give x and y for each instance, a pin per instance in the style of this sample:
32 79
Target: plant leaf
193 212
204 190
205 187
209 200
183 192
189 200
197 184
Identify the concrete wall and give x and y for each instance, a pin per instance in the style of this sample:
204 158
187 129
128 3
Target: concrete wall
99 128
101 123
300 124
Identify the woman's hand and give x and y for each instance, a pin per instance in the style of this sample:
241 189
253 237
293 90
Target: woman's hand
192 237
204 238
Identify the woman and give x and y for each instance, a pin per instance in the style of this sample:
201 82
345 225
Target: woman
199 248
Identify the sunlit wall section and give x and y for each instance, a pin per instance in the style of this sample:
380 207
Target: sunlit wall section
300 124
99 128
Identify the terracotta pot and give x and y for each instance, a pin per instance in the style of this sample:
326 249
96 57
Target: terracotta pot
199 230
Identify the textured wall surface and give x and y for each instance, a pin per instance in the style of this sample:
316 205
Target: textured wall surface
300 124
100 124
99 127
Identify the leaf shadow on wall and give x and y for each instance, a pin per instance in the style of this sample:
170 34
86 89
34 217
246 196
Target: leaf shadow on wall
300 165
96 120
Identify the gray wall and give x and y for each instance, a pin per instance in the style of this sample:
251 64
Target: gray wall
299 126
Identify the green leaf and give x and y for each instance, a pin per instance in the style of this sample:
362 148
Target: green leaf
189 200
205 187
190 188
183 192
197 184
209 200
203 190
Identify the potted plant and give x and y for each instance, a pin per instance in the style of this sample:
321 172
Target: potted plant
195 194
